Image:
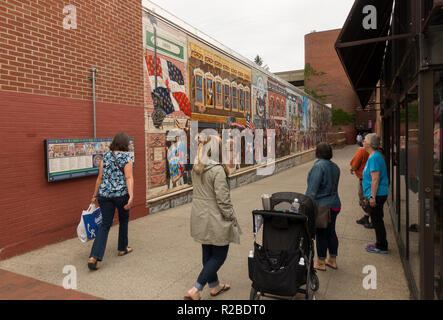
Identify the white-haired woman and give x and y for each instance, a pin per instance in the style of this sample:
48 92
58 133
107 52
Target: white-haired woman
375 188
213 221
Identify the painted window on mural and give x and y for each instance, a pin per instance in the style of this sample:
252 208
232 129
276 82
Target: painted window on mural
282 108
241 99
234 97
247 101
271 107
199 88
227 96
209 98
218 94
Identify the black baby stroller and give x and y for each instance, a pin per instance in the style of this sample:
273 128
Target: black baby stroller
284 262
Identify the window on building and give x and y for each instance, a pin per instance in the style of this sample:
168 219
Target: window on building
271 107
241 99
234 97
247 101
199 88
209 97
227 95
218 94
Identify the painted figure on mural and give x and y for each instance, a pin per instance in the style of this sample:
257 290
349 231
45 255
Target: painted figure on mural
175 155
241 101
301 117
261 104
298 114
187 155
227 103
209 93
310 114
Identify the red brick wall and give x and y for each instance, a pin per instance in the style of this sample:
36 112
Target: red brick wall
321 55
39 56
33 211
45 94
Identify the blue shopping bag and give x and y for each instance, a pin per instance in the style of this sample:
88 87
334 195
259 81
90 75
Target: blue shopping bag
90 221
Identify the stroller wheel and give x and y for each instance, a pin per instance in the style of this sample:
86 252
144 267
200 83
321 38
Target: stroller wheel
254 295
310 292
314 283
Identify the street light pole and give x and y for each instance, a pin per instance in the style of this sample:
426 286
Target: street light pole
92 78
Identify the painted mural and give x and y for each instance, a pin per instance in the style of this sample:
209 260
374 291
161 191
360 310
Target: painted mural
220 87
197 82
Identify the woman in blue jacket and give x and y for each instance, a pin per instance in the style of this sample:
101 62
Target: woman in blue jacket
323 182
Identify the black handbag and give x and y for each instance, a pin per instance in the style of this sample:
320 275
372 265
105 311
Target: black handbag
365 205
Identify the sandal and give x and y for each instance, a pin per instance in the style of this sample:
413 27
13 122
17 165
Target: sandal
128 250
190 298
223 289
331 265
196 295
319 266
92 265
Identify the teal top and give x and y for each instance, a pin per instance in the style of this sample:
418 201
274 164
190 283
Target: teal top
376 162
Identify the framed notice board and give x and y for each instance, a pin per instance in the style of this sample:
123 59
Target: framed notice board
75 158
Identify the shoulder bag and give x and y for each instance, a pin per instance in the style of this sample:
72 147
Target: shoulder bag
365 205
324 212
116 163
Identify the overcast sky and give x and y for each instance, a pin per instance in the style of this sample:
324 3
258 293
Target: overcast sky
273 29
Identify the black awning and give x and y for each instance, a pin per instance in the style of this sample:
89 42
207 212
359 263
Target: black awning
361 50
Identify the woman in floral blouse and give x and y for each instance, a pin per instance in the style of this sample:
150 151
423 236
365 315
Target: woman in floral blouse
114 188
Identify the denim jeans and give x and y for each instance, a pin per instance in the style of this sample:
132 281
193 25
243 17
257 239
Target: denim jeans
326 239
108 206
378 223
213 259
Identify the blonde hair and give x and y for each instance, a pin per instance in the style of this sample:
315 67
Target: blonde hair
202 159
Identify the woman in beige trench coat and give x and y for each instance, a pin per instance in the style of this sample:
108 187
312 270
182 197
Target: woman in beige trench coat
213 221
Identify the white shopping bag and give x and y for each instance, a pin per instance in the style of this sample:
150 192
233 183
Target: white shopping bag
90 220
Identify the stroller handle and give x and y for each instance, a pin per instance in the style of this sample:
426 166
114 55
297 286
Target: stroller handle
301 218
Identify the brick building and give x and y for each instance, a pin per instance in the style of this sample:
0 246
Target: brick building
326 78
45 93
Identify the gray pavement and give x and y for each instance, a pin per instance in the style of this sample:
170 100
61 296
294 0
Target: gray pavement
166 261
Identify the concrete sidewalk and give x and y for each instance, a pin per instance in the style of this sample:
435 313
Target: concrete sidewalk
166 261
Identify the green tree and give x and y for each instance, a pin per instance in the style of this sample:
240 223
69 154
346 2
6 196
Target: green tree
258 60
341 117
315 95
309 72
